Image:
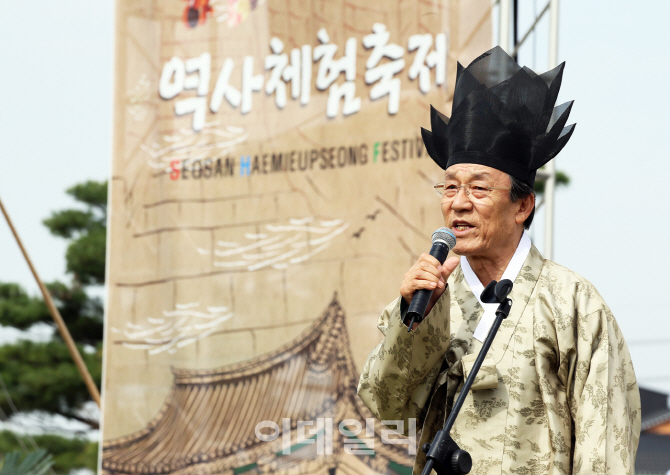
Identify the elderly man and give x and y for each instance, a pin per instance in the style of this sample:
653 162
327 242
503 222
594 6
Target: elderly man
557 393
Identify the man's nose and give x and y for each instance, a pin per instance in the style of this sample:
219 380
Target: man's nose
461 200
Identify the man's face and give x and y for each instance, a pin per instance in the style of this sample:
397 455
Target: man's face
482 227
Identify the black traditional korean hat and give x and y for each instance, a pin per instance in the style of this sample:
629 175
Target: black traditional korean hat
503 116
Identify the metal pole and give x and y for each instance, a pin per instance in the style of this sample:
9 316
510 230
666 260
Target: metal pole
530 30
505 8
550 185
55 314
515 34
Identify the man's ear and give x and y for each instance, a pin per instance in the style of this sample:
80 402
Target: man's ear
526 205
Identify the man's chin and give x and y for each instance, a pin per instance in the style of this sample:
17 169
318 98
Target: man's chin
459 252
462 249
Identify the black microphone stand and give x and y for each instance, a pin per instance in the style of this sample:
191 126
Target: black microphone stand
443 454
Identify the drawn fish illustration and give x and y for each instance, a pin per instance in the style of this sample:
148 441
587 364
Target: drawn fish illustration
280 246
173 329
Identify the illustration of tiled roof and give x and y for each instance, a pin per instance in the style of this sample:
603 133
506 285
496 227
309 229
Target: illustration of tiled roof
207 424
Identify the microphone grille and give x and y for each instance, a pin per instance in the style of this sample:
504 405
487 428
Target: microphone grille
445 235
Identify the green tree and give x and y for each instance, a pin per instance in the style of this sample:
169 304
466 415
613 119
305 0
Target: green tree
42 376
34 463
561 180
86 230
66 453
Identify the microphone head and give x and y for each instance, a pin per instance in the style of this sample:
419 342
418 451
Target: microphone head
446 236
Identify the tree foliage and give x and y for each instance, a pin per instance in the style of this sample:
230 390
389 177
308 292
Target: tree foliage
19 310
66 453
34 463
86 230
561 180
81 313
42 377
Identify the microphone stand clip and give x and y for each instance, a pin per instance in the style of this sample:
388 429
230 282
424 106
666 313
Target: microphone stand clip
444 454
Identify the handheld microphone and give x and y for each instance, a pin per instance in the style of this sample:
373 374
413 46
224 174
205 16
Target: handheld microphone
443 241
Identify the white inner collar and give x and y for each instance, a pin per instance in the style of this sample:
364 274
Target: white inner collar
512 270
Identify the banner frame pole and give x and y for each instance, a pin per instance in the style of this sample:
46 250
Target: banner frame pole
550 186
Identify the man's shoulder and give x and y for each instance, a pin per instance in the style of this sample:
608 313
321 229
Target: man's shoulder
561 279
551 271
560 271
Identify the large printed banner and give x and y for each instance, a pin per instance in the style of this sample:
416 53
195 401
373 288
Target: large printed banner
270 189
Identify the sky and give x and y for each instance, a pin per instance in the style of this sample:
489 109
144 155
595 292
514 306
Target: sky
610 223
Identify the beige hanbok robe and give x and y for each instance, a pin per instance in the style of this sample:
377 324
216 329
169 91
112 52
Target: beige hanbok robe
557 393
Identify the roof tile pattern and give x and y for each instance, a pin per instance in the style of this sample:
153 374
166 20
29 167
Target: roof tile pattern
207 423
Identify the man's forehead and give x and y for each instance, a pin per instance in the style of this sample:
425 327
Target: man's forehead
471 171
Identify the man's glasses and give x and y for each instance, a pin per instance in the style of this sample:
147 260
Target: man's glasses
448 191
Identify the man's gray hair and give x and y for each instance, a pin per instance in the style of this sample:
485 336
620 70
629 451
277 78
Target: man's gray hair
519 191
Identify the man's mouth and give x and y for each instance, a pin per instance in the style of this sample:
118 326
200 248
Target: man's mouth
461 226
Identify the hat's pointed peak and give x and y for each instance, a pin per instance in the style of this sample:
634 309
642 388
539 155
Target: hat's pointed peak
438 122
560 112
493 67
436 148
459 70
553 74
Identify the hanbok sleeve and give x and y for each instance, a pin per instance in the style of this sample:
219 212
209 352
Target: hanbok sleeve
400 372
604 398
